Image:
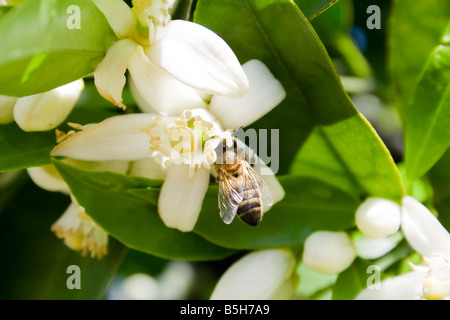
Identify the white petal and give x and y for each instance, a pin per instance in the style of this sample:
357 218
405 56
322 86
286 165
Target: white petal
256 276
148 168
47 110
422 230
264 94
404 287
161 91
116 138
118 14
199 58
328 252
181 198
110 72
139 286
375 248
143 105
6 109
48 178
378 218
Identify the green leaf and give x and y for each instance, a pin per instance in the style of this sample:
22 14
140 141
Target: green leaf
333 28
427 135
309 205
351 281
19 149
317 159
313 8
413 34
34 261
439 177
132 220
40 52
315 97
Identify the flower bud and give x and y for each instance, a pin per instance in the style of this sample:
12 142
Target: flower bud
48 178
377 217
47 110
328 252
258 275
374 248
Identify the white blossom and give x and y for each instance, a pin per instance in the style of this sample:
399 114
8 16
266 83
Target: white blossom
431 279
328 252
259 275
378 218
173 64
185 145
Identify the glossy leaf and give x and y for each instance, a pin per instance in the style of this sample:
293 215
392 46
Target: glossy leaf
427 135
60 42
34 261
333 28
109 198
351 281
309 205
317 159
414 32
315 97
439 177
313 8
19 149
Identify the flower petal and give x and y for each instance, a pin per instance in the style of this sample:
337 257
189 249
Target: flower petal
47 110
6 109
378 217
404 287
48 178
118 14
256 276
328 252
110 72
116 138
148 168
199 58
143 105
264 94
375 248
422 230
161 91
181 197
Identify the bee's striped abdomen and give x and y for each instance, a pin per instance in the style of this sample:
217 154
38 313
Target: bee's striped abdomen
249 210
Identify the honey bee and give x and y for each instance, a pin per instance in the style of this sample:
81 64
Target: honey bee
241 190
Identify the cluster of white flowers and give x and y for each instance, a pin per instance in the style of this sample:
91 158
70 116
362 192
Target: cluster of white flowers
382 224
191 90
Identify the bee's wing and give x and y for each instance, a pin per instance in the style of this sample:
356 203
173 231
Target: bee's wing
252 177
229 199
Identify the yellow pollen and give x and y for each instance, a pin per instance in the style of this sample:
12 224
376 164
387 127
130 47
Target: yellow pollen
163 150
153 135
187 114
167 163
181 123
76 126
150 126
